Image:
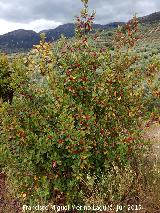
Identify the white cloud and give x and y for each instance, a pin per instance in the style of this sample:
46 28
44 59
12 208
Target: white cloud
37 25
146 7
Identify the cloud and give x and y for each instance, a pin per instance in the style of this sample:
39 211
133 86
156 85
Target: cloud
36 25
43 13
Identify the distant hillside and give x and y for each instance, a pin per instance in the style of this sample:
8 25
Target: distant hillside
18 40
149 44
54 34
154 17
68 30
23 40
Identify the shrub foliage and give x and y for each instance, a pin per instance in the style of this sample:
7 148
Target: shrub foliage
6 91
76 114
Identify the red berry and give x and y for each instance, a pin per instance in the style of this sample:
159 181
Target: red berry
60 141
50 137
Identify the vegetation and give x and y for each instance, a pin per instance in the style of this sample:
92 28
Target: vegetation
73 133
6 91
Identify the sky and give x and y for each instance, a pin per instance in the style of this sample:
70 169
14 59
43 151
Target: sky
38 15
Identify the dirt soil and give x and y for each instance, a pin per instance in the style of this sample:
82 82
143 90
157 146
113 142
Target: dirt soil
7 205
153 134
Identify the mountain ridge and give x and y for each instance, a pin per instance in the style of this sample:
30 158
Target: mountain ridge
150 18
23 40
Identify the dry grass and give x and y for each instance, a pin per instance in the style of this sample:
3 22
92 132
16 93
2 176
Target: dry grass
147 186
151 198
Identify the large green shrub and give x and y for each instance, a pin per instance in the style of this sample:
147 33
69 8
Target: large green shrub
83 119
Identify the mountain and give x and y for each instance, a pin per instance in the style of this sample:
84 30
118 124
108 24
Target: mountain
153 17
54 34
68 30
18 40
23 40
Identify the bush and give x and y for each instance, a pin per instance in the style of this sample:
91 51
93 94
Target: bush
6 91
82 121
